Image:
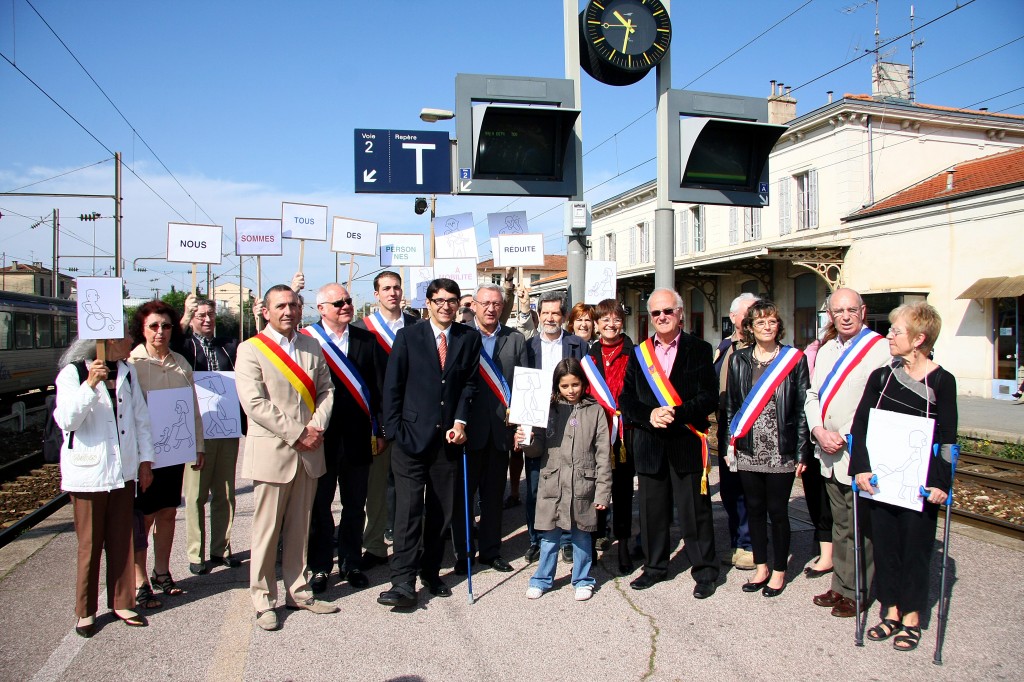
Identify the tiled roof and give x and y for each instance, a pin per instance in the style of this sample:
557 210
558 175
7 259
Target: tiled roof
551 263
553 278
987 174
936 107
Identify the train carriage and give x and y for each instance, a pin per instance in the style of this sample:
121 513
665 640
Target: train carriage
34 332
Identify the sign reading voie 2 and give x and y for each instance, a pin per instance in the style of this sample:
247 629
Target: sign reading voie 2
403 162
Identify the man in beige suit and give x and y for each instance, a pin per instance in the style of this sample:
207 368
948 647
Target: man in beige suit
285 388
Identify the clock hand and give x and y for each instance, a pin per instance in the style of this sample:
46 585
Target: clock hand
625 38
621 19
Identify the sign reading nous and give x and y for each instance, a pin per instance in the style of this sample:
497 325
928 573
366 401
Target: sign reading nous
187 243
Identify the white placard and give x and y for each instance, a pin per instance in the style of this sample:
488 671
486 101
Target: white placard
350 235
100 307
495 252
303 221
455 236
460 270
521 249
257 237
218 405
899 448
419 279
401 250
599 281
173 423
187 243
509 222
531 397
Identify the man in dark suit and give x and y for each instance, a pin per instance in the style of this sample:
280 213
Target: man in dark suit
489 435
667 452
357 366
544 351
428 393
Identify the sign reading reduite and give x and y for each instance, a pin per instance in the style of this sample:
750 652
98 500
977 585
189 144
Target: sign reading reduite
521 249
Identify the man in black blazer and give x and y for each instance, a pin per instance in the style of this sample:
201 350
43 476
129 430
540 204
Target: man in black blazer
666 453
488 433
429 387
349 440
545 350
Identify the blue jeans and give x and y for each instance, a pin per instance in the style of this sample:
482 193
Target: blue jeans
581 558
532 481
735 506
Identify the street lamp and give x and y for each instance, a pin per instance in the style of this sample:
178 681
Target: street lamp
429 115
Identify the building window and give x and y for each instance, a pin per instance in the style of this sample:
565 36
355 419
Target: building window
497 278
534 277
751 224
805 310
632 244
697 218
807 200
610 241
683 233
734 226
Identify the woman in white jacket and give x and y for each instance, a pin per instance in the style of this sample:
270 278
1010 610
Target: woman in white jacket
105 451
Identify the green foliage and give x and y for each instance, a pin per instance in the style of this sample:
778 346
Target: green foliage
1014 451
175 299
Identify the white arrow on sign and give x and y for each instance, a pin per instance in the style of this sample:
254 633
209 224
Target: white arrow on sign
368 175
464 185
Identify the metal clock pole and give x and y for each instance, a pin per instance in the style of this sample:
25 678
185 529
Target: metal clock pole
664 215
576 252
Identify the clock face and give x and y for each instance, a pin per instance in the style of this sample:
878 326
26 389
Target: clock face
631 35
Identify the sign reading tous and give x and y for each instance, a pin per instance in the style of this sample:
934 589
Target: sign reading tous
462 271
398 250
455 236
521 249
354 236
257 236
100 307
303 221
187 243
599 281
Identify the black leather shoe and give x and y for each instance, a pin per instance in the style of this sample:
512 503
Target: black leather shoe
318 583
644 580
197 569
389 535
499 564
401 596
460 565
229 561
755 587
703 590
86 631
357 579
370 560
566 554
773 591
532 554
436 586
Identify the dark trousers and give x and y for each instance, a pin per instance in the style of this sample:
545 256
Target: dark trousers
353 482
657 492
903 544
424 493
768 496
818 506
103 523
623 478
487 472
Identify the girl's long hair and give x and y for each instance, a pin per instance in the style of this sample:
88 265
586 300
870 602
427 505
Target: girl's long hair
567 366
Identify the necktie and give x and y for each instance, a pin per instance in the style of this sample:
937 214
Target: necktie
442 349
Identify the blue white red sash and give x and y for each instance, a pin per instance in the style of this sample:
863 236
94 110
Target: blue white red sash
492 376
858 349
599 389
376 324
761 392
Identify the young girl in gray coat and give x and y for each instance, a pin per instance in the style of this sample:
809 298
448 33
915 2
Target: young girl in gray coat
575 477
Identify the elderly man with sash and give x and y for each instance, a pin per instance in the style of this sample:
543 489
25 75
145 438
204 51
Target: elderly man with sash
840 374
384 324
357 365
489 437
285 388
670 390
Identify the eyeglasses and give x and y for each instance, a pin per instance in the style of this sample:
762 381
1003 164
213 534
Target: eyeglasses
442 302
341 302
894 332
159 325
666 311
761 324
490 305
203 316
852 312
613 321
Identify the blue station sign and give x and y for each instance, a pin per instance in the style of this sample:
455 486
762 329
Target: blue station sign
403 162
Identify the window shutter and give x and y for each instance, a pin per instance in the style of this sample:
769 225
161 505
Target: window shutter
784 206
684 232
734 229
812 199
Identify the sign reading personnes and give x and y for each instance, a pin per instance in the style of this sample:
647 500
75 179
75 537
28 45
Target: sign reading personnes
508 222
455 236
521 249
187 243
303 221
100 307
257 236
462 271
399 250
354 236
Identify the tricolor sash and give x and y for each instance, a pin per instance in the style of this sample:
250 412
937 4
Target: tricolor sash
667 396
495 380
346 371
291 370
376 324
761 392
851 357
604 397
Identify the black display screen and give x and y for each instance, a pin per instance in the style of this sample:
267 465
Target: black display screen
520 144
722 158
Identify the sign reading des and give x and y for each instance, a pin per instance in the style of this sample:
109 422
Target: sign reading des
403 162
187 243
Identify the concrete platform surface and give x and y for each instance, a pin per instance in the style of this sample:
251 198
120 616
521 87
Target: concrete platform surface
1000 420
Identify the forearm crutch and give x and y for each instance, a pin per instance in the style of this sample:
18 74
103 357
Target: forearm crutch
469 552
858 633
940 631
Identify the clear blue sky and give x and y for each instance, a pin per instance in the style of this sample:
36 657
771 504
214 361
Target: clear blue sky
252 103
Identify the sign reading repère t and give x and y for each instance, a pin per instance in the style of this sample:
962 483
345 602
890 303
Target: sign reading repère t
188 243
401 249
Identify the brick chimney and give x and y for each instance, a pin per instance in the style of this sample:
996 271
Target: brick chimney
781 105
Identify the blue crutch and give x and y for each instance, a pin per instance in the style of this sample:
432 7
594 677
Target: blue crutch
858 633
940 634
469 553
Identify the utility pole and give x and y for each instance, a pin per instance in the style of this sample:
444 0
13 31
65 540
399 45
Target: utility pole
664 215
55 280
117 214
575 251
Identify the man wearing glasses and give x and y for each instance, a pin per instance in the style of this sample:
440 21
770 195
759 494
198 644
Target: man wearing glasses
832 400
429 388
489 435
357 365
670 390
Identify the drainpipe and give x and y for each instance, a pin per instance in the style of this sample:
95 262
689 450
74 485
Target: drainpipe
871 163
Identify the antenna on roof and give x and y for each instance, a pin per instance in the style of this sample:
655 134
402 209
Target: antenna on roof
914 44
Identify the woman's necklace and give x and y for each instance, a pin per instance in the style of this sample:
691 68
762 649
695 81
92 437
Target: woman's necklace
768 360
